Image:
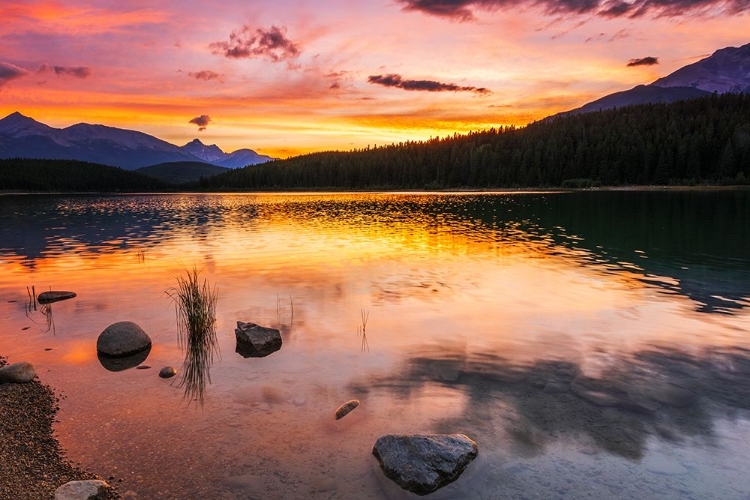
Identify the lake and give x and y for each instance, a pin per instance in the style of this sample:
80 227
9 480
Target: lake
594 344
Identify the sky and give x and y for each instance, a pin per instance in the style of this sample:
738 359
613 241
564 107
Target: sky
292 77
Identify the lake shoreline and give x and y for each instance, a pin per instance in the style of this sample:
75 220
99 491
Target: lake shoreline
32 462
520 190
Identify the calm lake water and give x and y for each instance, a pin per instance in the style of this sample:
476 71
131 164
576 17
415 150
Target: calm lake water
595 345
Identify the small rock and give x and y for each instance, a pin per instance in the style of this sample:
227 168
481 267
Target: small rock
423 463
143 367
168 372
25 328
82 490
17 373
53 296
122 339
256 341
346 408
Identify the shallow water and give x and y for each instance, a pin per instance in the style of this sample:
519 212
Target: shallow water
595 345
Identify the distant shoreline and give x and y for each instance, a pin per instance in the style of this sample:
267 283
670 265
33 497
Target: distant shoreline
523 190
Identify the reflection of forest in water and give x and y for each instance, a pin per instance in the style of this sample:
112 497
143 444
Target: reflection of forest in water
693 243
660 392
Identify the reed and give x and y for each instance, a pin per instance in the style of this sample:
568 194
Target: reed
362 330
195 310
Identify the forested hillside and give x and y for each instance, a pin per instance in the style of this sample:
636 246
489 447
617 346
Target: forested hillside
705 140
71 175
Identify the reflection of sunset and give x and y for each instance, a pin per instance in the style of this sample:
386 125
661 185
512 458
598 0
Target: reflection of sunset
473 301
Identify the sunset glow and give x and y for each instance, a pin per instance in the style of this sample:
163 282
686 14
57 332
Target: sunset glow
295 77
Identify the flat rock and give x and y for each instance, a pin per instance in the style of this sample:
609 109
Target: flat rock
255 340
168 372
422 463
346 408
17 373
54 296
82 490
122 339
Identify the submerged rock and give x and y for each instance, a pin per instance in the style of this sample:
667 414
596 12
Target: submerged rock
346 408
168 372
120 363
17 373
54 296
82 490
256 341
122 339
422 463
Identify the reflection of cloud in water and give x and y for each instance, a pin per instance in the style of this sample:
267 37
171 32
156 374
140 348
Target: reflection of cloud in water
659 392
685 243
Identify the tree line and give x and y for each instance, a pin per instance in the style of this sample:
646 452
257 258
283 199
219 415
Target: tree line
71 175
700 141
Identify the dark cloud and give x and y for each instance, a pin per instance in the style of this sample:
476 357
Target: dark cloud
393 80
247 43
202 121
10 72
75 71
207 75
464 10
644 61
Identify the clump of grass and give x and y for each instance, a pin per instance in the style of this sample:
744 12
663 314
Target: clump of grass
195 309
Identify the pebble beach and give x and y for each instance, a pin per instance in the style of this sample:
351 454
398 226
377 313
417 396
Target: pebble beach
32 463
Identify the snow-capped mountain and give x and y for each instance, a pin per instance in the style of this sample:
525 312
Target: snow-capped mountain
24 137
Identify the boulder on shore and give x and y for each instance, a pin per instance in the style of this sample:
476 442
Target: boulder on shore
422 463
54 296
122 339
17 373
82 490
256 341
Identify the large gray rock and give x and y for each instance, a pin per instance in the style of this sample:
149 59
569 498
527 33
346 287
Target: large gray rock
17 373
255 340
122 339
422 463
82 490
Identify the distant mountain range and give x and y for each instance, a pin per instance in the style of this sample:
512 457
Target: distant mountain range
726 70
24 137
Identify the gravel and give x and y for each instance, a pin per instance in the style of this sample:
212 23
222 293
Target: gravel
32 463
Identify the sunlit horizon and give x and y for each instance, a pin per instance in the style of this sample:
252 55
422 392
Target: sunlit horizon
293 78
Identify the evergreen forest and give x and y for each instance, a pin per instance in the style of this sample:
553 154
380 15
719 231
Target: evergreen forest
700 141
71 176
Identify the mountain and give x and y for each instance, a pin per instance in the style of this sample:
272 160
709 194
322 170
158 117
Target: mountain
24 137
176 173
642 94
214 155
725 71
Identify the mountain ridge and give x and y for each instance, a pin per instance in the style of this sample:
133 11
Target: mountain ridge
25 137
727 70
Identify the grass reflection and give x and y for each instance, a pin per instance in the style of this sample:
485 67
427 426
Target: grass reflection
195 310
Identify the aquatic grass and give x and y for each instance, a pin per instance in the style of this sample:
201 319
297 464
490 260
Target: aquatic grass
195 311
